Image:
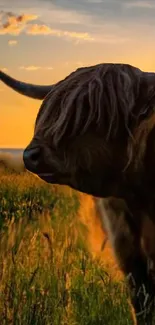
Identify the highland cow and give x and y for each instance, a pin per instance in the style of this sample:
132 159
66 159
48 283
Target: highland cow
95 132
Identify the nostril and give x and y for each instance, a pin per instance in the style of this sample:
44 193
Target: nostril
34 154
31 157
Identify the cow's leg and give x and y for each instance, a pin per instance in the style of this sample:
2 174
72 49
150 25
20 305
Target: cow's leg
125 240
141 288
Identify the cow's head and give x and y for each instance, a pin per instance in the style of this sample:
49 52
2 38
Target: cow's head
83 126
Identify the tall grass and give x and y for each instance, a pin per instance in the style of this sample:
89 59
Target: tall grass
47 274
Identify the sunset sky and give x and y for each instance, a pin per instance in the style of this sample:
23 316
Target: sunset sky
41 41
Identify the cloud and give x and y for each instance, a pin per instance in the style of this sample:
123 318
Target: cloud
36 29
12 29
13 18
101 12
34 68
95 1
12 42
25 18
140 4
14 24
30 68
18 24
82 36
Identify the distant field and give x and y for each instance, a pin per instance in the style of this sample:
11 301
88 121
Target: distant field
47 274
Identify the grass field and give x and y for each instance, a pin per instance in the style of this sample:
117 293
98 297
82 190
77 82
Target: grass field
47 274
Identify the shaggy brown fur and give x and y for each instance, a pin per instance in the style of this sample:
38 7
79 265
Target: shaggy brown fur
92 129
108 98
134 248
102 97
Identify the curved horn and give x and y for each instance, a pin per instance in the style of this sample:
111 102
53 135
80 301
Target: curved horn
26 89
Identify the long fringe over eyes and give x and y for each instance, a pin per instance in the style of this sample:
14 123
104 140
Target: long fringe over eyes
101 97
